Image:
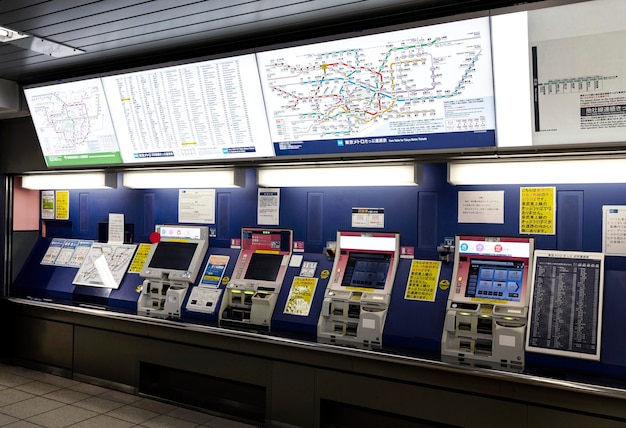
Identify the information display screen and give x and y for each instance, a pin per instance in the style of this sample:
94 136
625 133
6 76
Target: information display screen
73 124
263 267
553 86
173 255
367 270
493 279
492 269
566 304
199 111
278 241
422 88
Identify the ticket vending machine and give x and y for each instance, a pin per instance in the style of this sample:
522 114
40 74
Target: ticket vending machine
250 296
171 267
487 309
357 297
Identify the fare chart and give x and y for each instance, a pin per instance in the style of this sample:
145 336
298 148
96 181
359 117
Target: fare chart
198 111
423 88
73 123
566 304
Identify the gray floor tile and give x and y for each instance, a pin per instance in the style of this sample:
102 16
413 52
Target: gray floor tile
120 397
66 396
190 415
226 423
33 406
22 424
153 405
98 404
10 396
132 414
38 388
62 417
164 421
6 419
60 381
88 388
103 421
10 379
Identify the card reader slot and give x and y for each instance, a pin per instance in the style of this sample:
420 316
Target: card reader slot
482 346
236 314
484 326
354 311
351 329
464 326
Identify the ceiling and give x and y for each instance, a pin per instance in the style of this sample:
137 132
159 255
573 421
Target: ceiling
122 34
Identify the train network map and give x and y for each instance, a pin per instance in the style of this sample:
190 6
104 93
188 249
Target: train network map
422 88
73 123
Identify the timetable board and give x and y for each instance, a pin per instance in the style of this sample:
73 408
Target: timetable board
566 304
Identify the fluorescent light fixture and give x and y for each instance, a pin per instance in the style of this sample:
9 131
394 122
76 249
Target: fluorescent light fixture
79 180
357 174
7 35
37 44
184 179
538 172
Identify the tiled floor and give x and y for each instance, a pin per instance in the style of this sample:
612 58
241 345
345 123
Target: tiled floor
34 399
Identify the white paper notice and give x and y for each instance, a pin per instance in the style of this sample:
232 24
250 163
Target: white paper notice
268 206
116 228
368 217
47 204
196 206
481 207
105 273
614 230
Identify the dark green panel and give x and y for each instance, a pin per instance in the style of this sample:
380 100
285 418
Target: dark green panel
43 341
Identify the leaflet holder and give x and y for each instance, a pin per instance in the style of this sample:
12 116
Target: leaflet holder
172 265
357 297
487 309
250 296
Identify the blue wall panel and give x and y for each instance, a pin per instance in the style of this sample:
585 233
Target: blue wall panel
422 215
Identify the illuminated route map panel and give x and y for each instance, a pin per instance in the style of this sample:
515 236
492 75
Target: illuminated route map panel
73 124
417 89
198 111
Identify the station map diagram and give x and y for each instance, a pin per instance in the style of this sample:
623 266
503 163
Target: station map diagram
72 119
425 80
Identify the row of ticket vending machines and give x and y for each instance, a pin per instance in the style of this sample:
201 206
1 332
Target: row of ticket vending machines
486 312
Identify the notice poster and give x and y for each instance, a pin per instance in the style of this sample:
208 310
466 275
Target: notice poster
196 206
268 209
423 279
537 210
214 271
368 217
481 207
614 230
300 296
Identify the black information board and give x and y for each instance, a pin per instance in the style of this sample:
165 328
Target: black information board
566 304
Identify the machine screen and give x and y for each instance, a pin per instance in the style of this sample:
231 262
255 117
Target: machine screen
275 240
366 270
263 267
173 255
493 279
